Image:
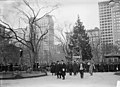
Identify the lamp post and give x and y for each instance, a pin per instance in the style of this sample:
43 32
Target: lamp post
21 53
71 49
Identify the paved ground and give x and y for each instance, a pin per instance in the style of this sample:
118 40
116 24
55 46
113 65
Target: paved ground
97 80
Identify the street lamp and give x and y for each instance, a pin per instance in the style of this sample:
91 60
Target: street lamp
21 52
71 49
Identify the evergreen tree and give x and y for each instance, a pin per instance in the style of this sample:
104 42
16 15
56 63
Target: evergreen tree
80 41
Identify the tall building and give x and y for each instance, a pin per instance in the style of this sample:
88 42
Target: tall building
105 18
47 45
116 22
109 18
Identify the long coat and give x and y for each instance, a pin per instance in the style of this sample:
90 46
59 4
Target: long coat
52 68
75 67
63 69
70 67
91 68
57 68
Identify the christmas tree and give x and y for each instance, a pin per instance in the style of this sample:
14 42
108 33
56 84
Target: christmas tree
80 41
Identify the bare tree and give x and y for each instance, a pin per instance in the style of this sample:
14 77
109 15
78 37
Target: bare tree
95 44
63 36
29 36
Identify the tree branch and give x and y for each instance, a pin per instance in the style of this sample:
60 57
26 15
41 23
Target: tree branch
39 11
45 15
39 28
41 37
16 36
27 4
21 11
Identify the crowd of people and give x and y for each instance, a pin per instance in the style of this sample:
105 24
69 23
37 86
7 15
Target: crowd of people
17 67
9 67
60 68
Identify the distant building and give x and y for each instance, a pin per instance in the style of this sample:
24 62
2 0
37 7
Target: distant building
116 23
7 53
3 33
68 35
94 36
109 22
47 45
58 53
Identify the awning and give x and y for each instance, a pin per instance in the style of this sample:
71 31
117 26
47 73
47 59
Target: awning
112 55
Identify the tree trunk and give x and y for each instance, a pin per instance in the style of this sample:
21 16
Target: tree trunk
34 58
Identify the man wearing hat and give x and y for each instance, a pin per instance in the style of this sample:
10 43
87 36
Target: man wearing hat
63 69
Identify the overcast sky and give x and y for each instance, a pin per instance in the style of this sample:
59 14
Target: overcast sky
87 9
69 9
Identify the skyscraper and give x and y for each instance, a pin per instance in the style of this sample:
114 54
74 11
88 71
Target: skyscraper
109 18
116 22
105 18
47 45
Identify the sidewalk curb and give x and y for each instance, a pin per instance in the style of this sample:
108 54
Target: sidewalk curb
21 77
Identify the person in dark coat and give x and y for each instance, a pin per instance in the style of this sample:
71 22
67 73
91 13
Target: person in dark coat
52 68
81 69
101 67
70 68
110 67
57 69
118 66
3 67
87 65
6 67
63 69
0 67
75 68
115 67
105 65
97 67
